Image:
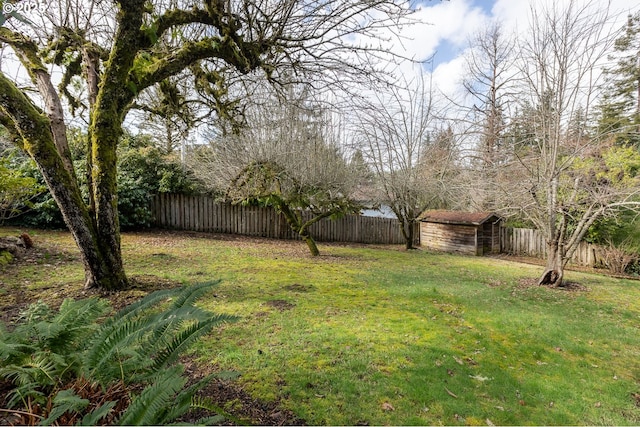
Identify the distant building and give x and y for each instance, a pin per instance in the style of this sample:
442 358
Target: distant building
381 212
472 233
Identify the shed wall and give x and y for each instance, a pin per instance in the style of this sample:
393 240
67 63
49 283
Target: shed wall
489 238
449 237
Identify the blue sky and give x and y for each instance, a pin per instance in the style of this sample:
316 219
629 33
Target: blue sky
448 24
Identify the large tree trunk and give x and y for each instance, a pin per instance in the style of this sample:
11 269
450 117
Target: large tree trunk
553 274
97 254
407 232
32 132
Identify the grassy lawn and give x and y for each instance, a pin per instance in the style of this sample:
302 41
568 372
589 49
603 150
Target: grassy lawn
382 336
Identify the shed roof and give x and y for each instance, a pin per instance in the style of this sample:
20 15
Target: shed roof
456 217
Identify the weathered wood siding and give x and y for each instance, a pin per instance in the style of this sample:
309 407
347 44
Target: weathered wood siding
201 213
448 237
490 231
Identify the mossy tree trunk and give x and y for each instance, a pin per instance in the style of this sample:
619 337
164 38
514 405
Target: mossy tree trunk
31 130
407 229
299 225
125 73
406 220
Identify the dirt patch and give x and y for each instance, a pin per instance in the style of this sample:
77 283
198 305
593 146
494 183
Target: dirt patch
297 287
280 304
566 286
234 402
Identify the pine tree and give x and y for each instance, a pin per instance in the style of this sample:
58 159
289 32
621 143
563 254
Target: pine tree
620 105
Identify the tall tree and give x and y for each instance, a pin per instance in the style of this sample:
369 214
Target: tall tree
488 84
409 155
619 113
117 50
563 178
488 81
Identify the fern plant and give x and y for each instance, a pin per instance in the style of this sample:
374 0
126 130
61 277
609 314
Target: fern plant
58 362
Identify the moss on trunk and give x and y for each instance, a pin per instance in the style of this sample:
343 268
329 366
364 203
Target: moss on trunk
34 129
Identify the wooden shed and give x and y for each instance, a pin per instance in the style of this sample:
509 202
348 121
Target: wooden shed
473 233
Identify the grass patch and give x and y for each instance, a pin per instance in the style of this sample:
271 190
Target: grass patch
364 335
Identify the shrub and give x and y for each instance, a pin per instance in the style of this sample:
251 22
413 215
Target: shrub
16 190
143 171
70 367
618 257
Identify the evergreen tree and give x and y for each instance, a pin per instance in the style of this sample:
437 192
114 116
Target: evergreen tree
620 105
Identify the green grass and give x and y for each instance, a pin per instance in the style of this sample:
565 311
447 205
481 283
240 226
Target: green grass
383 336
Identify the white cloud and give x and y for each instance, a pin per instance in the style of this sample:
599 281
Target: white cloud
453 22
443 27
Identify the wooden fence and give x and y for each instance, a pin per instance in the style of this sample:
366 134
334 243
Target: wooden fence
202 213
529 242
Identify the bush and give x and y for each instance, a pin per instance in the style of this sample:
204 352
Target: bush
17 191
70 367
143 171
618 257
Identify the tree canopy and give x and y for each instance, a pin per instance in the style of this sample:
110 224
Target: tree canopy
110 54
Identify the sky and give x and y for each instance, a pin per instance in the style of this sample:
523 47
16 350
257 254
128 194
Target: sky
448 24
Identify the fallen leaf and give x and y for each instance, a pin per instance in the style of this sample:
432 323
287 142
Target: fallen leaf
522 403
479 378
460 362
598 404
386 406
450 372
450 393
489 423
470 361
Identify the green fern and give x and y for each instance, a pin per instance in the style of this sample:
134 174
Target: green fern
190 295
149 301
170 352
151 404
139 345
92 418
65 401
112 346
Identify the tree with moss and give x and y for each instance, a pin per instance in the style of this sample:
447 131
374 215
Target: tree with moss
109 53
288 157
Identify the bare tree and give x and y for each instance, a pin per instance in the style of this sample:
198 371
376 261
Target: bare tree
410 156
287 156
563 177
488 84
115 51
